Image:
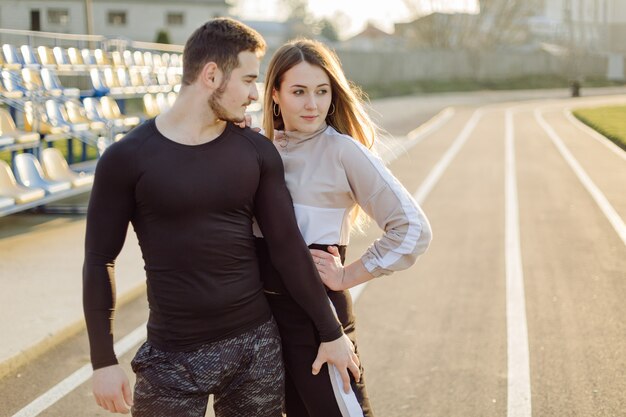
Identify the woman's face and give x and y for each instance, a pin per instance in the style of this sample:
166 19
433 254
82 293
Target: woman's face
304 97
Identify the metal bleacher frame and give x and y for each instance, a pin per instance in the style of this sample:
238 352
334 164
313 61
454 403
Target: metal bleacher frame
69 78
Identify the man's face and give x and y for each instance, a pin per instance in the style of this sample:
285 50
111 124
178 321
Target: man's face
230 100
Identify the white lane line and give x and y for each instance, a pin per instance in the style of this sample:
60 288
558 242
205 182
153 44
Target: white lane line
518 363
438 170
414 137
594 134
436 173
77 378
606 207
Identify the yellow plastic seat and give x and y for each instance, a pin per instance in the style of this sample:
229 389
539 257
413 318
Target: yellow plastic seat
8 128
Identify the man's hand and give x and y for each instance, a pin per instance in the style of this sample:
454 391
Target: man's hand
339 352
112 390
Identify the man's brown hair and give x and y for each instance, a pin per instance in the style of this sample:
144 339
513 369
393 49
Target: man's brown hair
219 40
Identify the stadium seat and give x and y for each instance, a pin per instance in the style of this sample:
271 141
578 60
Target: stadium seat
76 59
117 60
77 115
51 83
37 121
111 111
6 140
98 83
9 94
136 80
30 59
102 58
12 58
56 168
57 116
33 83
13 82
8 128
6 202
162 103
11 189
150 106
46 57
29 173
63 60
88 57
112 82
93 109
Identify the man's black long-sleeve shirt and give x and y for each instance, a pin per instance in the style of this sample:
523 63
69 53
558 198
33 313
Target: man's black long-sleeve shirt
192 208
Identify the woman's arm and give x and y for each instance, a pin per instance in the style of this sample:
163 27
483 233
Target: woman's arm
407 232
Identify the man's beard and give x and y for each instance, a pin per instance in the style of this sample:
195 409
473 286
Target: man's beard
218 110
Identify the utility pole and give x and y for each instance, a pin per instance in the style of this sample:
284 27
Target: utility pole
89 16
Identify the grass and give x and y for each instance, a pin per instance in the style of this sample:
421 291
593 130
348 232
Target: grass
609 121
438 86
62 145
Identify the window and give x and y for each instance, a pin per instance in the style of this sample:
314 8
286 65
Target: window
175 19
58 16
117 18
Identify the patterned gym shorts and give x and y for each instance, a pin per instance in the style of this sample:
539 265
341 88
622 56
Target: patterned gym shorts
244 373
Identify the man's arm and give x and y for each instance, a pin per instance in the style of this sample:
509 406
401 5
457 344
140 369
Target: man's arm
291 258
110 208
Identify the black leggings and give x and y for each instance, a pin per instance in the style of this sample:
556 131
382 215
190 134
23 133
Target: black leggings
308 395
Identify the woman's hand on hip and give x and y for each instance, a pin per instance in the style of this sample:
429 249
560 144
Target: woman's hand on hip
330 268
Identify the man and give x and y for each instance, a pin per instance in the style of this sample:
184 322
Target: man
190 182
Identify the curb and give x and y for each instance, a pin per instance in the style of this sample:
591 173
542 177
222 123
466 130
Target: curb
54 339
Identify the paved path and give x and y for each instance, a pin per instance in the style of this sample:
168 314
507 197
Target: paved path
516 310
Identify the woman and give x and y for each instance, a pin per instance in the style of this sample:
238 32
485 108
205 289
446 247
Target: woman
332 176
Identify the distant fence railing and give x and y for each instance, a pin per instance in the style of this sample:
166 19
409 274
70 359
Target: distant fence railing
36 38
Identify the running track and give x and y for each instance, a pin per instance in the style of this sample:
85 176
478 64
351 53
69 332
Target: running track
516 310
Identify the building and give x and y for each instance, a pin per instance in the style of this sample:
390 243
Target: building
140 20
373 39
596 25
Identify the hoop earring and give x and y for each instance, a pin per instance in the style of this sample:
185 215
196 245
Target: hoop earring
330 113
276 112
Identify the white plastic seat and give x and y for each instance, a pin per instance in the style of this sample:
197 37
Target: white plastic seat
12 59
57 116
52 84
77 115
8 128
6 202
29 173
56 168
150 106
38 121
30 60
6 140
11 189
111 111
63 60
162 102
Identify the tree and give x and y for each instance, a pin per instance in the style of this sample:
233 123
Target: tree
328 30
163 36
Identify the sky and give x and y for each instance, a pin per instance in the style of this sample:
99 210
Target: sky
356 13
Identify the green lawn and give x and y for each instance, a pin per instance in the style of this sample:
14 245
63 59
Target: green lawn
609 121
62 145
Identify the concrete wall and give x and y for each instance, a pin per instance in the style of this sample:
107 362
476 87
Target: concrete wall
381 67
